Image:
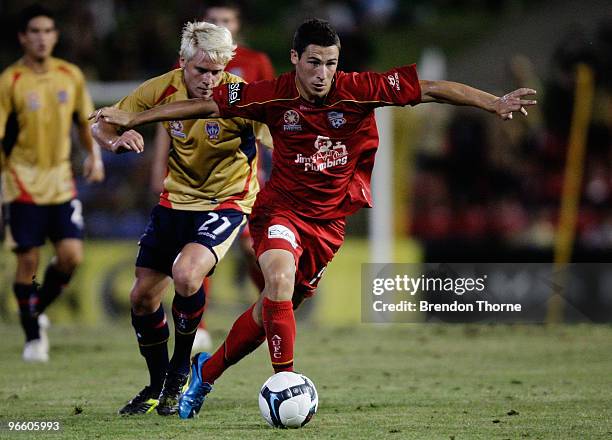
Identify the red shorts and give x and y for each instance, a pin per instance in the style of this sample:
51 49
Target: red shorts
313 243
246 233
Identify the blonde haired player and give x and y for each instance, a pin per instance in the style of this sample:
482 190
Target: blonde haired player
251 66
208 191
40 97
216 41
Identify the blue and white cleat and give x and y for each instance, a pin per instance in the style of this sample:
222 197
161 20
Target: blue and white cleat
192 398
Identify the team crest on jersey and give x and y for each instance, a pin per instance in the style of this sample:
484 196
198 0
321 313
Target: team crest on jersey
176 129
33 101
336 119
292 121
62 96
213 129
329 154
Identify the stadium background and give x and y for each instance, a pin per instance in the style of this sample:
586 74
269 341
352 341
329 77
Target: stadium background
465 187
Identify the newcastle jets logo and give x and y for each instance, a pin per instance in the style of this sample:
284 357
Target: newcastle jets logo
62 96
336 119
292 119
176 129
213 129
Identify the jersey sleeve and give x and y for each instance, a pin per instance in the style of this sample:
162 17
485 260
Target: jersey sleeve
144 97
244 100
398 86
83 104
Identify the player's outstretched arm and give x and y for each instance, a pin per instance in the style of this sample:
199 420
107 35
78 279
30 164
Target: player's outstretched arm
188 109
460 94
108 137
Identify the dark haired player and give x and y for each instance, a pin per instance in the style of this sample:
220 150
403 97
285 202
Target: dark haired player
40 97
325 137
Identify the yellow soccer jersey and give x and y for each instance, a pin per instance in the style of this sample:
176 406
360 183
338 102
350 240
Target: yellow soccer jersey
212 163
36 114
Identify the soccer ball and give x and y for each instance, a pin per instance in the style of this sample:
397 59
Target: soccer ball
288 400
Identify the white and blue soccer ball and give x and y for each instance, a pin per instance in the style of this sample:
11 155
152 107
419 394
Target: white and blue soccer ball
288 400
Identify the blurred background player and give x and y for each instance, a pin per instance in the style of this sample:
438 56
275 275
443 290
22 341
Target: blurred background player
251 66
40 97
209 189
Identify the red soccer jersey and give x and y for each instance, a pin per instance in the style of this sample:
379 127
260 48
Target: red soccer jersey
250 65
323 154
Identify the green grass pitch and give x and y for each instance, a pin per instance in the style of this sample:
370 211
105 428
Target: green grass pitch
414 381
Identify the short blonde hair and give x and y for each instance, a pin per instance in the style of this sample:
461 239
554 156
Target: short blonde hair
215 41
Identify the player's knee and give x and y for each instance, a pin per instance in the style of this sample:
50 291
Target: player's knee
279 285
27 262
68 262
143 302
187 279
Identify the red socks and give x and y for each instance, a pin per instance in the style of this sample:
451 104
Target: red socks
279 323
244 337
